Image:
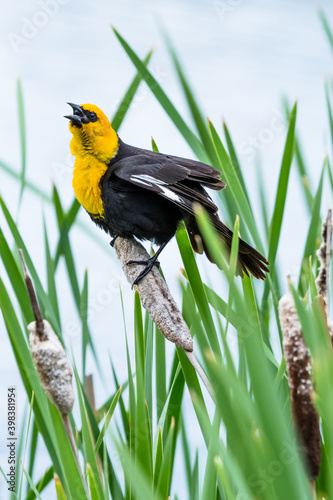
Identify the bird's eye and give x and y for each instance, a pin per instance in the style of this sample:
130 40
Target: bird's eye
92 116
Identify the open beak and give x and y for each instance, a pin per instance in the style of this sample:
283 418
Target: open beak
78 117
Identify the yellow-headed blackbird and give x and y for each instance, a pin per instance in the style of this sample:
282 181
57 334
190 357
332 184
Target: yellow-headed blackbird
133 192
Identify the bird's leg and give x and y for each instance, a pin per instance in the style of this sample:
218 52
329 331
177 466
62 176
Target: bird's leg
150 263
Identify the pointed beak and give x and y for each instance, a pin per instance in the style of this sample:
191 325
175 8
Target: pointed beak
78 117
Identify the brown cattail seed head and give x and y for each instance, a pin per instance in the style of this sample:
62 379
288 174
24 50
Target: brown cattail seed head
300 384
154 294
53 367
324 254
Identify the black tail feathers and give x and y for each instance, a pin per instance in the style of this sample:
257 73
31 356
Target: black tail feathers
249 259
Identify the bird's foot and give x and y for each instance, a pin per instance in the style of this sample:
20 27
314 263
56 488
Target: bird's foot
112 242
150 263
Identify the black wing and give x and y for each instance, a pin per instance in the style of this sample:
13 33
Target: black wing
177 179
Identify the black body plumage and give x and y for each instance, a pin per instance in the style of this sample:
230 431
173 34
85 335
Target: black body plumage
146 194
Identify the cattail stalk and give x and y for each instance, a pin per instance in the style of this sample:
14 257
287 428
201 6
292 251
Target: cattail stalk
52 365
158 302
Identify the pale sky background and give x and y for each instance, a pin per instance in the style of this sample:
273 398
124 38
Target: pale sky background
241 58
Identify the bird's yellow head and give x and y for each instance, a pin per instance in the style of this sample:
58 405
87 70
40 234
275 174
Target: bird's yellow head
92 133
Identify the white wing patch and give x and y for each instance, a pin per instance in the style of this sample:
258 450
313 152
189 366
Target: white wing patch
171 195
148 180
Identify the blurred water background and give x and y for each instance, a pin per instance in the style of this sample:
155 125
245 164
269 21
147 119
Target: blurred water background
241 57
